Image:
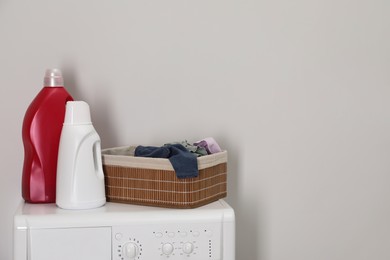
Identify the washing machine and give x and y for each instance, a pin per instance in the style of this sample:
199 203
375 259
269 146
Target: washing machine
124 232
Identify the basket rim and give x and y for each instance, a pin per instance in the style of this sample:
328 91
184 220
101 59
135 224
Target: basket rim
157 163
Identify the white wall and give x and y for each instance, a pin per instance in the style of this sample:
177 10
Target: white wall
296 91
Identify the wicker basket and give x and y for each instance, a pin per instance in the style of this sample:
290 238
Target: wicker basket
153 181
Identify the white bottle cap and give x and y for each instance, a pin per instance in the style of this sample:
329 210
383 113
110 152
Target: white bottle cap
53 78
77 113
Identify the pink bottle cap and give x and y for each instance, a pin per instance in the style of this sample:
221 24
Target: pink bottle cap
53 78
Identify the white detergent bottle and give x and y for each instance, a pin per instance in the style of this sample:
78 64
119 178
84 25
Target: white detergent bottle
80 178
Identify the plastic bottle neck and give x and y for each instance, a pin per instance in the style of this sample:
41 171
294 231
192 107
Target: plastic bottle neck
53 78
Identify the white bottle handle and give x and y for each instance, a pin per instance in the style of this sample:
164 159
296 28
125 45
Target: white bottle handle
97 159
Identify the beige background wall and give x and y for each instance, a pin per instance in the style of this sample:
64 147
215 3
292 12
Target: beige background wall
296 91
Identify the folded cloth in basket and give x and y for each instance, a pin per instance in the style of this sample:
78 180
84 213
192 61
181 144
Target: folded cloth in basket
209 144
196 150
183 162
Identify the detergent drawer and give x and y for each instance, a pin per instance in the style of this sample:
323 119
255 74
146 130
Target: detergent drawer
70 243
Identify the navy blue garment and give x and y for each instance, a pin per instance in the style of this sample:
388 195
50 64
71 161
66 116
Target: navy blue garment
151 151
183 162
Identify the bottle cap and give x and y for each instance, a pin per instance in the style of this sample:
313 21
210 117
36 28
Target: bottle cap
77 113
53 78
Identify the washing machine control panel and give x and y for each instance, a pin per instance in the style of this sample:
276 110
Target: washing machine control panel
197 241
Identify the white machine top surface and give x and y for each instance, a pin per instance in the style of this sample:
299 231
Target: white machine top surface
47 209
49 214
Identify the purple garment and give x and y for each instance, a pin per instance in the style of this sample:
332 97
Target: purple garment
209 144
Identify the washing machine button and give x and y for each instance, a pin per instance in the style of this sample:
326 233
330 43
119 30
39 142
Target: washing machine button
130 251
167 248
118 236
209 233
188 248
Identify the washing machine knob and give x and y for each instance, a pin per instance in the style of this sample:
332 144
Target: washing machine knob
130 251
188 248
167 248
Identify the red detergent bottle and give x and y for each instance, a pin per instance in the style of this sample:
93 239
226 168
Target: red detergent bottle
41 133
